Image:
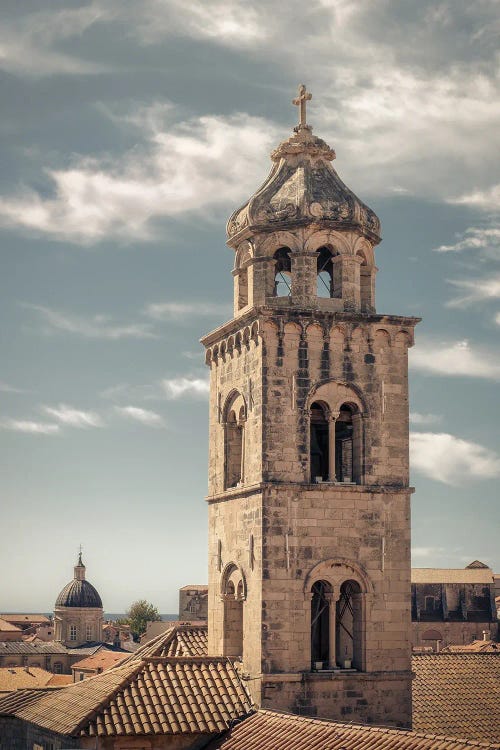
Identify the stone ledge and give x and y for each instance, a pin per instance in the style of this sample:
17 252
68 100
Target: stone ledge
370 489
331 674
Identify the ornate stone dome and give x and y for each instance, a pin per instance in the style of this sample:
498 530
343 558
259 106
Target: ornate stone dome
79 592
303 187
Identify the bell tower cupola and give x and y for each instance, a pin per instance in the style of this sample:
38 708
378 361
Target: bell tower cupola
304 238
308 491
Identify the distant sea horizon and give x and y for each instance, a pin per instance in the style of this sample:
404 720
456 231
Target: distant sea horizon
106 615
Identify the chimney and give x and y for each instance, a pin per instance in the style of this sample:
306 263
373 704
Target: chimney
486 635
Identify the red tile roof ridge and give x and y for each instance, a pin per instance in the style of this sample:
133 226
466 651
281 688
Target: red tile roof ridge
378 728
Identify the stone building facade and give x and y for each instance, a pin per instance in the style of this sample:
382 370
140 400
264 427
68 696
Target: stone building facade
452 606
309 497
78 612
193 603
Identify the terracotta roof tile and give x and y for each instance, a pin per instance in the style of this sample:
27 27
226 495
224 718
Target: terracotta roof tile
183 639
14 678
102 659
474 647
270 730
8 627
457 694
156 696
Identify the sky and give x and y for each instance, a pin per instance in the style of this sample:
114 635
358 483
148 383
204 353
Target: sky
129 133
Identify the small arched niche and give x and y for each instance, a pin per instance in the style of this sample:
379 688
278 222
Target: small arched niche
234 440
282 273
233 595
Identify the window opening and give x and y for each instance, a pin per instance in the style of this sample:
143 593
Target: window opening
234 447
430 604
320 625
72 632
324 281
319 444
282 273
348 626
344 445
233 616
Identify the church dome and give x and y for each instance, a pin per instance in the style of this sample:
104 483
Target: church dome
303 187
79 592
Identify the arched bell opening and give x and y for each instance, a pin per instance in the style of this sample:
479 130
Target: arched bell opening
348 444
319 442
282 273
321 603
349 626
324 273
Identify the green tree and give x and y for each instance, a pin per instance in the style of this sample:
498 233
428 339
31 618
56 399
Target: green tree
139 614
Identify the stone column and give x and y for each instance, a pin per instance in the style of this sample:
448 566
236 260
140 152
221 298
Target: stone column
346 276
303 277
332 420
332 605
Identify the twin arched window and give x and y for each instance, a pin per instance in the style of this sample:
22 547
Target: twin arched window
335 444
336 626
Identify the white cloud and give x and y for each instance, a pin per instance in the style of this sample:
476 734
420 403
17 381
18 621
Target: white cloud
93 327
475 238
418 418
455 358
202 163
6 388
451 460
39 33
33 428
475 290
497 319
186 386
487 199
427 552
144 416
71 417
177 310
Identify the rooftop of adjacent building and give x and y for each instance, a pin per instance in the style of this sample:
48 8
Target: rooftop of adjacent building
18 678
475 572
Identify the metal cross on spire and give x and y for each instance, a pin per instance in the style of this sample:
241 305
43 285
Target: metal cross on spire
303 97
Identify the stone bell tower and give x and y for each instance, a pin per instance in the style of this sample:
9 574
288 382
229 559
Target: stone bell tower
309 502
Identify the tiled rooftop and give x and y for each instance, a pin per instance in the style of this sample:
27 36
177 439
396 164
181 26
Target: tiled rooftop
451 575
8 627
457 694
270 730
14 678
156 696
184 639
474 647
102 659
49 647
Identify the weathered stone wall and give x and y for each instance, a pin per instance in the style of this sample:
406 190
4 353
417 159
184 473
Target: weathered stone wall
377 698
235 367
193 603
232 523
